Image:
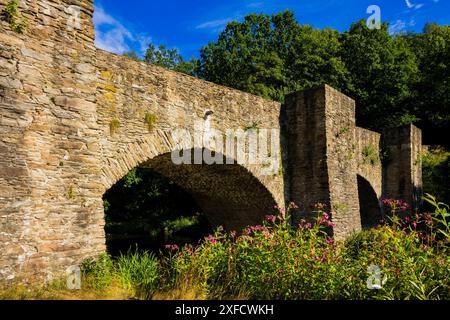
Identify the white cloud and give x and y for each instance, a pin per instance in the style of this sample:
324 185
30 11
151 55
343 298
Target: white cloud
255 5
101 17
113 36
214 24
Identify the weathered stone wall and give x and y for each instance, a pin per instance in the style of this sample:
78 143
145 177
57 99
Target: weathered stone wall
368 160
402 172
320 130
369 171
44 140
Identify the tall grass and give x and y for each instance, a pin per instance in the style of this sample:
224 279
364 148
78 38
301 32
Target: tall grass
139 272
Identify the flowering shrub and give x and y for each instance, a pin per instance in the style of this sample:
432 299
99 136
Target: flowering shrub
430 229
276 261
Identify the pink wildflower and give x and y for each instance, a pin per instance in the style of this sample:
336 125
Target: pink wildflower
172 247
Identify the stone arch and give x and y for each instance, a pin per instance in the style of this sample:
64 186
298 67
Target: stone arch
230 195
370 209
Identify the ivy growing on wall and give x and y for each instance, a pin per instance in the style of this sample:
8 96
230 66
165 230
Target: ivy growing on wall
114 125
150 120
11 14
370 155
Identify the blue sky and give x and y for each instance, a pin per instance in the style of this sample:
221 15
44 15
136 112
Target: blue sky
190 24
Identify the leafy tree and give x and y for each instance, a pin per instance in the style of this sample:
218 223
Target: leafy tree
170 59
273 55
382 69
431 93
132 55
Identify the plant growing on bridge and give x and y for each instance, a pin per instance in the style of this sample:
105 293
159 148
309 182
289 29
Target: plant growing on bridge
370 155
342 132
256 125
114 125
71 193
150 120
11 14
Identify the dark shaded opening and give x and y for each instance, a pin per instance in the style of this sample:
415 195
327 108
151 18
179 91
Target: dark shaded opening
371 213
146 210
163 203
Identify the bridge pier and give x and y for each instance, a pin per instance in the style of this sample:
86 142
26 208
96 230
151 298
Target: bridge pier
319 127
402 172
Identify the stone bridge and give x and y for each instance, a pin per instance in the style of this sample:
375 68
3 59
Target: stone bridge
75 119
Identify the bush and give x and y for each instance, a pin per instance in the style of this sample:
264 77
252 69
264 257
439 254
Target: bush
98 273
274 261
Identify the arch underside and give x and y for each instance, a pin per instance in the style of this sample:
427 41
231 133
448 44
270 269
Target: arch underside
370 209
229 195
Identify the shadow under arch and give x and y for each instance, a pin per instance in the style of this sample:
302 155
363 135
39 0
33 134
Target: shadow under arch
228 194
370 208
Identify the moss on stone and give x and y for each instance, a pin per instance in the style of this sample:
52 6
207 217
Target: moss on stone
114 125
150 120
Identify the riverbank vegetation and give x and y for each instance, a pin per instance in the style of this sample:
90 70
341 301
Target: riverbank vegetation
406 257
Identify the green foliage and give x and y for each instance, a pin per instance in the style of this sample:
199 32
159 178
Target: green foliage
150 120
441 217
11 14
436 173
170 59
132 178
275 261
382 69
132 55
431 97
272 56
370 155
138 271
98 273
395 80
114 125
179 224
